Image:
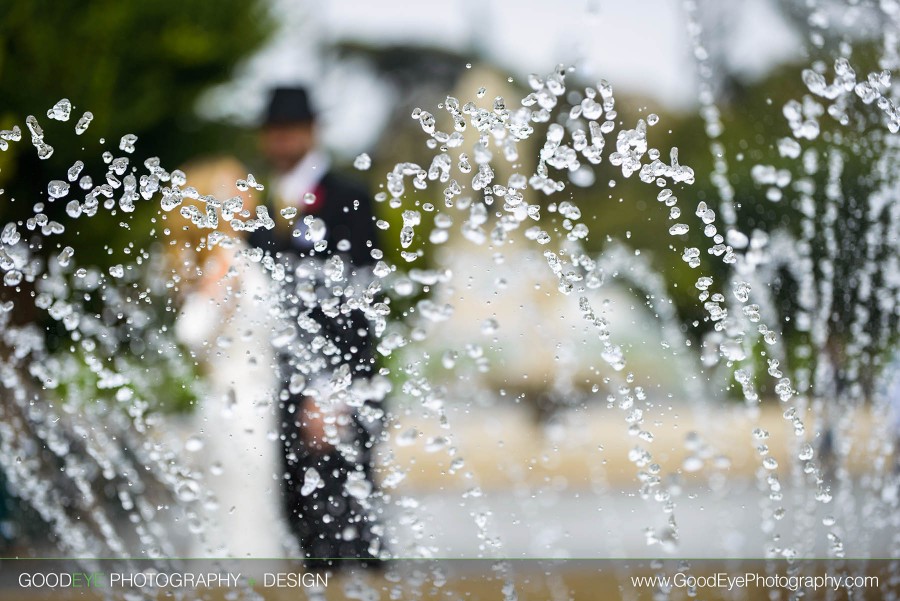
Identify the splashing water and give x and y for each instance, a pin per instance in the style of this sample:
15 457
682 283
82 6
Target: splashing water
116 331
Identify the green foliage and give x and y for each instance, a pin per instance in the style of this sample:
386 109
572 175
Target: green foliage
156 383
139 67
753 124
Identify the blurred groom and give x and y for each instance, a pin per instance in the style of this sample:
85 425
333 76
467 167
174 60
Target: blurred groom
326 447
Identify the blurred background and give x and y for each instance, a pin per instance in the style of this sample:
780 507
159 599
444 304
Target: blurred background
189 78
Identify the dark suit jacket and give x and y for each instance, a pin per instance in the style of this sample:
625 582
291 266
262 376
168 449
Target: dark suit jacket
346 209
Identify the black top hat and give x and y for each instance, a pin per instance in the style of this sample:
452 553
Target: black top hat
288 105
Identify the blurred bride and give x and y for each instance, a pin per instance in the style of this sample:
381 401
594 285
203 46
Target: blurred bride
224 321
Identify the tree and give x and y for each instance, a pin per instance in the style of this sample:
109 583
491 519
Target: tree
138 67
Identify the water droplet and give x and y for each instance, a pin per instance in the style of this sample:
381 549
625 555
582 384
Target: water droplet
741 291
357 486
311 481
57 188
407 437
60 110
435 444
65 255
188 490
127 142
362 162
83 123
12 277
489 327
297 383
692 464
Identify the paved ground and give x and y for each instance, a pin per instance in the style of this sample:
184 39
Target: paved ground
503 448
590 524
571 491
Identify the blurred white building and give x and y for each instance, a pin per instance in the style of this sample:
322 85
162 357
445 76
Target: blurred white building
642 48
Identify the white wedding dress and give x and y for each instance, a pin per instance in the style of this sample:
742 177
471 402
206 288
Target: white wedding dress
233 442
